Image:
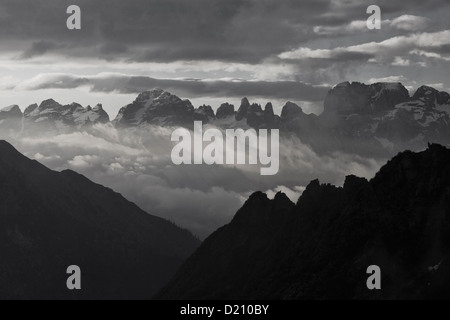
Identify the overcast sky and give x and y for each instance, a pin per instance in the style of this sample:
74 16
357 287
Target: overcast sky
212 51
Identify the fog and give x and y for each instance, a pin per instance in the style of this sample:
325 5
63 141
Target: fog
136 163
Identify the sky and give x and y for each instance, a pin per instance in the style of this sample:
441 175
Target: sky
213 51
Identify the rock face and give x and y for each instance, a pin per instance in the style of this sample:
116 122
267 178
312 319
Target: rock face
204 114
431 96
225 110
52 220
11 118
11 112
156 107
51 114
381 119
426 117
321 247
256 117
291 111
91 115
349 98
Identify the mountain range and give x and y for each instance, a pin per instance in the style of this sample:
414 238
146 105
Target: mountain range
52 220
322 246
376 120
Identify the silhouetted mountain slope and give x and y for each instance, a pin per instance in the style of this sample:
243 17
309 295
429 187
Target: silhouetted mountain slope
321 247
50 220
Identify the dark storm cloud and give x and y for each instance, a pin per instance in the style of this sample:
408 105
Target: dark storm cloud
167 30
444 49
192 87
39 48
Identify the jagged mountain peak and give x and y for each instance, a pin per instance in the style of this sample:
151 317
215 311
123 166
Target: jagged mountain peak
55 116
291 111
225 110
247 110
31 108
259 209
204 113
425 90
408 166
245 102
156 107
268 107
49 103
358 98
98 107
282 199
431 95
258 196
254 115
159 97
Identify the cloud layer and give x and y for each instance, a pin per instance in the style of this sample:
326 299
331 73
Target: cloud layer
121 83
201 198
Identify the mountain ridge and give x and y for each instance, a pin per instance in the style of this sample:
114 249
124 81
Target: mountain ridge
318 249
378 88
51 220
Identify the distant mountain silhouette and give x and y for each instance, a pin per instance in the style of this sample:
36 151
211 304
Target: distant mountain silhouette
321 247
50 220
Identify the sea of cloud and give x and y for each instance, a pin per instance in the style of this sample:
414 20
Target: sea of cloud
137 163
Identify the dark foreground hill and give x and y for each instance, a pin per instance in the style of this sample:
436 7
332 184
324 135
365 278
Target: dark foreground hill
321 247
51 220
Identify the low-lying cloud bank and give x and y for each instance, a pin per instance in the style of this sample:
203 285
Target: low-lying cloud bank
201 198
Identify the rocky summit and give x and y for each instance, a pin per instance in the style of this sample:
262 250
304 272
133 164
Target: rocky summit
349 98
